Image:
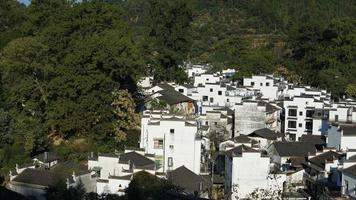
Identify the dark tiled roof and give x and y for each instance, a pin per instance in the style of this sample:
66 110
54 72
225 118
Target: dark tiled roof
188 86
265 133
314 139
51 156
165 86
348 130
137 159
350 170
295 148
321 159
241 139
237 151
37 177
172 97
187 179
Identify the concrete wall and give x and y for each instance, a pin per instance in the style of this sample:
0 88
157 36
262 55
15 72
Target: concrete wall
249 117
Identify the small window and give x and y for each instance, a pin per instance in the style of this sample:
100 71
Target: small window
336 118
211 100
205 98
300 113
292 124
215 123
181 90
219 92
310 113
292 112
211 90
207 79
252 83
158 144
300 125
171 146
292 137
227 100
170 162
267 84
309 125
261 84
153 91
206 123
171 130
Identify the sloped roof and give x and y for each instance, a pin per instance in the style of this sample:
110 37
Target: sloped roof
314 139
348 130
237 151
137 159
294 148
265 133
321 159
350 170
241 139
165 86
188 86
172 97
37 177
187 179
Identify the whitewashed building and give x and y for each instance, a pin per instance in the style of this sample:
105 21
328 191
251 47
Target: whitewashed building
342 137
246 170
203 79
265 84
173 140
304 115
114 171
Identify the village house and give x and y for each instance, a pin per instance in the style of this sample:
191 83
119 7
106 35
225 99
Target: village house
265 137
173 140
240 180
282 153
265 84
192 183
304 115
114 171
203 79
255 115
349 175
322 175
164 96
195 70
45 160
342 136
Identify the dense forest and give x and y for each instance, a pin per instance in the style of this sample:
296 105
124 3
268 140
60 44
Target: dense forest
68 71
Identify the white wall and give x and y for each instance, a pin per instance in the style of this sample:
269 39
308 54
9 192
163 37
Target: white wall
247 179
265 84
249 117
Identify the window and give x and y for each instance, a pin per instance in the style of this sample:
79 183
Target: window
171 130
292 124
267 84
309 125
219 92
336 118
181 90
227 100
215 123
292 137
252 83
157 143
300 125
170 162
205 98
292 112
310 113
207 79
153 91
211 90
171 146
300 113
206 123
261 84
211 99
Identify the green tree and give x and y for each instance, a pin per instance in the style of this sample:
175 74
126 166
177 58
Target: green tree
169 36
124 109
